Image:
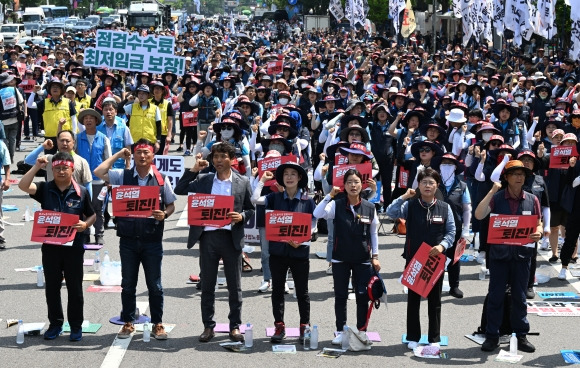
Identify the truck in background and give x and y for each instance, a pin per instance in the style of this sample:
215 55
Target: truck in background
33 15
316 21
148 14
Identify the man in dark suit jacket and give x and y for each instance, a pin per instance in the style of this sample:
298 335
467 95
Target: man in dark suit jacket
225 242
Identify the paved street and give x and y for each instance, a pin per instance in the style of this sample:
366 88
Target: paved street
21 299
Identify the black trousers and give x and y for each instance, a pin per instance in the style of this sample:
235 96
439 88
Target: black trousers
67 262
213 246
453 269
361 274
300 268
572 233
386 166
433 311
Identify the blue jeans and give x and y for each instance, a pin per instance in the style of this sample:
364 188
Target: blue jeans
133 253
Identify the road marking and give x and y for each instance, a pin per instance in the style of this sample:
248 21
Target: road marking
182 222
119 347
574 281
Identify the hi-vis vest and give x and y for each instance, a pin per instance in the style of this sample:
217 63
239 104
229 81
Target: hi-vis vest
83 103
163 106
142 123
53 113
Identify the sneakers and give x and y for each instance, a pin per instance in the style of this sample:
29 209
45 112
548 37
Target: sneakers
302 328
286 288
524 345
530 294
435 345
187 153
159 332
99 239
279 332
264 287
179 149
329 270
52 332
126 331
490 344
545 244
412 345
76 334
562 274
481 257
456 293
338 339
553 259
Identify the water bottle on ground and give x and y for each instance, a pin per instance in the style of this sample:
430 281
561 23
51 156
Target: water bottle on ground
27 215
513 344
146 331
314 338
39 277
97 262
345 338
20 333
249 338
106 258
307 337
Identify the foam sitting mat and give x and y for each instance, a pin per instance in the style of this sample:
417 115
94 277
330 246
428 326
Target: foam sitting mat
425 340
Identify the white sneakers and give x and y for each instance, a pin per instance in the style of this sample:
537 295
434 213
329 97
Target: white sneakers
435 344
286 288
264 287
412 345
562 275
481 257
329 270
338 339
545 244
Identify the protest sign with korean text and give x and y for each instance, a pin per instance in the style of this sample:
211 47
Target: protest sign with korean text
560 155
272 163
209 209
511 229
27 85
459 249
134 52
135 201
283 226
274 67
338 172
189 118
172 167
423 272
54 227
340 159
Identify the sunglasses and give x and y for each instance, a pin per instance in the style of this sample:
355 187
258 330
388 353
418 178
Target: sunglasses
283 129
424 149
495 144
228 127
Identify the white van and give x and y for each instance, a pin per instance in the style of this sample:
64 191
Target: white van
33 15
12 32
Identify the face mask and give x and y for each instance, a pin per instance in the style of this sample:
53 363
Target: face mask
277 147
435 79
283 101
447 174
486 136
227 134
304 85
73 81
519 99
504 94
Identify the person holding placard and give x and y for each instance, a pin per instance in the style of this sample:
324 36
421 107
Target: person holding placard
62 194
355 250
225 242
140 239
429 221
291 255
510 263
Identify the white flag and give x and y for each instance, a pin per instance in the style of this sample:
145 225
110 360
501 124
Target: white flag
197 5
546 16
335 8
395 8
409 23
468 13
575 33
498 16
348 11
457 8
517 18
358 13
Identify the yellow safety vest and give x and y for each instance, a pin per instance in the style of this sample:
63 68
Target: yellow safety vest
142 122
84 102
53 113
163 106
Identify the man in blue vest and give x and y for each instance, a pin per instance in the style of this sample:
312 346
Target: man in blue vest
94 147
116 130
141 238
509 264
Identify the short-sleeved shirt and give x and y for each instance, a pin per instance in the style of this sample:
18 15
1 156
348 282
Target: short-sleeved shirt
4 157
129 110
81 171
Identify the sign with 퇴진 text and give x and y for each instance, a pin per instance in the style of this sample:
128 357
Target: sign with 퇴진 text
135 201
52 227
338 172
423 272
209 209
511 229
283 226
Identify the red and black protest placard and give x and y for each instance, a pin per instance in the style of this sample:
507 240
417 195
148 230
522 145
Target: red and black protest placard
511 229
135 201
272 163
283 226
27 85
54 227
274 67
459 249
209 209
338 172
189 118
560 155
340 159
423 271
403 177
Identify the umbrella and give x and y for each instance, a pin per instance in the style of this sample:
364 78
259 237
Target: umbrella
243 36
383 41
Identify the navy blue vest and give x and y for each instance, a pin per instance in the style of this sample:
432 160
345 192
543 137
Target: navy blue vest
421 230
351 236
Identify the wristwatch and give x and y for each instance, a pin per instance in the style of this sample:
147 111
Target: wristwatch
166 215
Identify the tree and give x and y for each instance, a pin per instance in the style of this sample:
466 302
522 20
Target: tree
378 12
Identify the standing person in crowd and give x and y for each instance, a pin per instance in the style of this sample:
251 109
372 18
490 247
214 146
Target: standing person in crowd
209 106
117 131
291 256
508 263
224 243
140 239
62 194
4 186
356 247
10 103
144 118
429 221
159 99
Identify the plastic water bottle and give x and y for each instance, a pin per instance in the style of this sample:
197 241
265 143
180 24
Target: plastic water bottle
97 262
345 343
482 271
146 331
102 194
307 337
106 258
470 253
27 215
20 333
39 277
249 338
314 338
513 344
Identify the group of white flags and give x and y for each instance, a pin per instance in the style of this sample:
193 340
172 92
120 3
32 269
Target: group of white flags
575 33
355 11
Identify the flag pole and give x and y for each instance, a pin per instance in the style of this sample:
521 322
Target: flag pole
433 20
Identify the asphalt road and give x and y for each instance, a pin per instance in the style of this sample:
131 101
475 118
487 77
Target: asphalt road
22 299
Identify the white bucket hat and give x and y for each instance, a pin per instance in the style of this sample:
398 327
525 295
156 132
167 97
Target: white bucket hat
456 116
